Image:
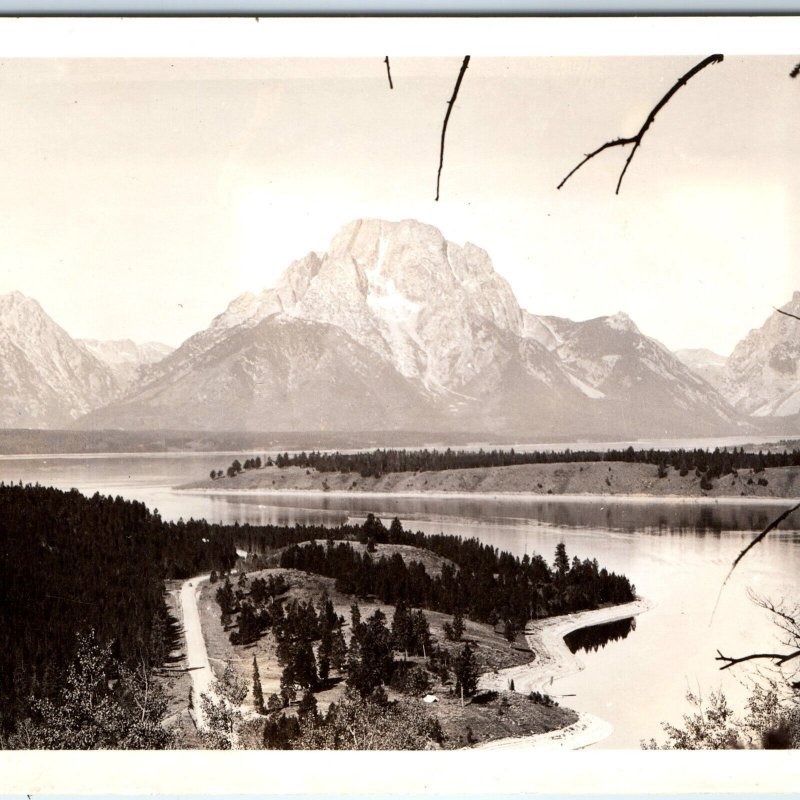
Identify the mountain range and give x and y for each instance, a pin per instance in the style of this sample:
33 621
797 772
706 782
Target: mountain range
396 328
48 379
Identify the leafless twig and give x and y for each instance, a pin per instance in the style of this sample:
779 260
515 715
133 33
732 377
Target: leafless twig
636 140
779 658
388 72
450 104
786 313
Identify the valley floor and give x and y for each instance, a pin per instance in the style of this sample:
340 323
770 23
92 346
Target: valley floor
591 478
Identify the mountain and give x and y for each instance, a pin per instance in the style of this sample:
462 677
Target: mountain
394 327
762 375
710 366
47 379
125 357
613 362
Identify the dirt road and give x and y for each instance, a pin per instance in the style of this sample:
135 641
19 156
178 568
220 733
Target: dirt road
196 654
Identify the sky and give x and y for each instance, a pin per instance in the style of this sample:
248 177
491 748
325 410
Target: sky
140 196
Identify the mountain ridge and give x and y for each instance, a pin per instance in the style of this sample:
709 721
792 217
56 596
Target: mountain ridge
394 327
446 332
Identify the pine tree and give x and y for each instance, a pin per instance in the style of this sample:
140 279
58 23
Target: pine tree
561 563
258 694
307 706
466 672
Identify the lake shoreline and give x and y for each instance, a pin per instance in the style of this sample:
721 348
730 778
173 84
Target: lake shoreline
587 498
554 661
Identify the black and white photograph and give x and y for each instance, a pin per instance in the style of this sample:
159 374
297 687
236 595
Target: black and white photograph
400 400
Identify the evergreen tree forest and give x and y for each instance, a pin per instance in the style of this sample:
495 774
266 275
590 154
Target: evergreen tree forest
485 584
75 566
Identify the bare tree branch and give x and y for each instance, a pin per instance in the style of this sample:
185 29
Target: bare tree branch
779 658
636 140
450 104
772 525
768 605
388 72
786 313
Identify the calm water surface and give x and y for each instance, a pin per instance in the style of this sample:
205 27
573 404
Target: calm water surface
676 554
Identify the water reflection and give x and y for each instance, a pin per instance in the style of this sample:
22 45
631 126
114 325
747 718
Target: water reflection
638 516
593 637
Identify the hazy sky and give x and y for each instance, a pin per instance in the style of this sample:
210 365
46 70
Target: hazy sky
140 196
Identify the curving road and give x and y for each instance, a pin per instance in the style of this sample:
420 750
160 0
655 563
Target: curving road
196 654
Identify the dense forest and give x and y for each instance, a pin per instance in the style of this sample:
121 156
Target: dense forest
480 582
74 567
484 583
712 464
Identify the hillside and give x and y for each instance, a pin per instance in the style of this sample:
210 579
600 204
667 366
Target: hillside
598 478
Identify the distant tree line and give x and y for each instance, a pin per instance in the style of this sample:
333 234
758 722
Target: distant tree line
712 464
74 566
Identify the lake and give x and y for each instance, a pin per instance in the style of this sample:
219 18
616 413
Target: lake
677 554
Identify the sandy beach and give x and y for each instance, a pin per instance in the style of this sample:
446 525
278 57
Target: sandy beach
554 661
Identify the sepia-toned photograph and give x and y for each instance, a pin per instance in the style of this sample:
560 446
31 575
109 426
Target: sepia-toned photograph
401 402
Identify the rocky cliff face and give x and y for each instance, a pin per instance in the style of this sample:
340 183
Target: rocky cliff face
762 375
395 327
47 379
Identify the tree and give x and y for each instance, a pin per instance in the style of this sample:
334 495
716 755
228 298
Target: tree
370 659
421 633
249 626
222 709
769 724
274 703
454 630
363 723
338 650
561 563
103 704
258 694
466 671
402 628
307 706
